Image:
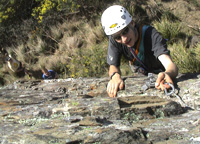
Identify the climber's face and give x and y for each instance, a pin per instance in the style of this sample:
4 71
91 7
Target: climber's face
127 36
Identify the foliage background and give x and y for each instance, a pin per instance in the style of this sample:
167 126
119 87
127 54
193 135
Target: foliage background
66 35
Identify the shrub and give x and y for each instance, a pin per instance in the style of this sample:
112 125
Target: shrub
187 60
46 7
90 62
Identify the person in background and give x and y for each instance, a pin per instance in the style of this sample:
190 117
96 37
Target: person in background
141 45
48 74
14 65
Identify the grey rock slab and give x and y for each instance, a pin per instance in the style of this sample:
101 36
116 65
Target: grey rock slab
80 111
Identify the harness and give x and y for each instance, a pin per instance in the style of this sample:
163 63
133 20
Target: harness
138 53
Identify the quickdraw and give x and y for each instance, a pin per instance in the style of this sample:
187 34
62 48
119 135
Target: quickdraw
150 83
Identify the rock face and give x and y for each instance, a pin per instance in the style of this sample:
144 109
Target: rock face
74 111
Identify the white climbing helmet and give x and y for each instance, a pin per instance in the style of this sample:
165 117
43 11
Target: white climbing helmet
114 19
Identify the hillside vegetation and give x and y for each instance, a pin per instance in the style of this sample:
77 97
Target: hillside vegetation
66 35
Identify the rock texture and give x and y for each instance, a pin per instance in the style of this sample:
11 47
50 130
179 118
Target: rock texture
73 111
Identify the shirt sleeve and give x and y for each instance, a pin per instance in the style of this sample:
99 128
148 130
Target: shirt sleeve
114 54
159 45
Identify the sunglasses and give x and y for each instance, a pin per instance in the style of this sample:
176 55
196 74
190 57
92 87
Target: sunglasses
124 32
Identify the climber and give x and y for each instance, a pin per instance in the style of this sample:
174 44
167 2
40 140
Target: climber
14 65
141 45
48 74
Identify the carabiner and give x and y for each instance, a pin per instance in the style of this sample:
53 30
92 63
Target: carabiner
171 91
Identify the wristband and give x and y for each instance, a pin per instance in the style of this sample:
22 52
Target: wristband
113 74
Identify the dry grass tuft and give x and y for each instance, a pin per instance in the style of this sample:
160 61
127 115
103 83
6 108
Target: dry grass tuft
167 28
